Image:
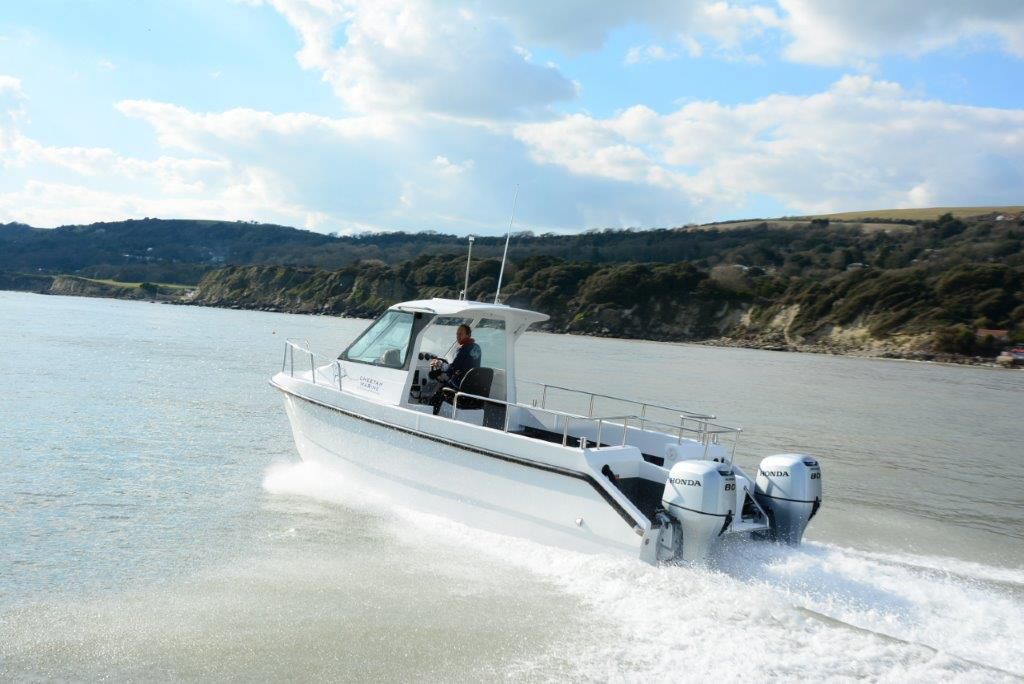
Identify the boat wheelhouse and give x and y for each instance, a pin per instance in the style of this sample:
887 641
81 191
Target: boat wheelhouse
508 455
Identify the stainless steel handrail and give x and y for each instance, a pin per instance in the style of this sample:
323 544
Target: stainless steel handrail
290 345
625 427
706 433
558 414
592 395
566 416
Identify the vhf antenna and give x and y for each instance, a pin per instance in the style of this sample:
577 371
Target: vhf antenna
507 236
469 258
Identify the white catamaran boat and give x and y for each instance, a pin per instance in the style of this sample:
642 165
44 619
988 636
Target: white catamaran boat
648 480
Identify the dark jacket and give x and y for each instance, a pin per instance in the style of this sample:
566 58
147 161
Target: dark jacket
467 358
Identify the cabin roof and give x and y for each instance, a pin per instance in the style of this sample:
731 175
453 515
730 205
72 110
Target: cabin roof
467 309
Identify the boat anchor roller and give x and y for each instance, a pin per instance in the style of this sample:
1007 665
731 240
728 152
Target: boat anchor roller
788 488
701 496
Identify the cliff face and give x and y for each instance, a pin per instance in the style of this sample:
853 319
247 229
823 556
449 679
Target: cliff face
669 303
25 282
921 311
74 286
349 292
679 314
80 287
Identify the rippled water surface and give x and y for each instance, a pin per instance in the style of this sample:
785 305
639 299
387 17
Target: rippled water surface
155 522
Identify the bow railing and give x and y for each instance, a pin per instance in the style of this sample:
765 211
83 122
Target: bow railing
322 370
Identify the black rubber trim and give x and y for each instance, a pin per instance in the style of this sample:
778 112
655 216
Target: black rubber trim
694 510
623 513
814 509
726 524
782 498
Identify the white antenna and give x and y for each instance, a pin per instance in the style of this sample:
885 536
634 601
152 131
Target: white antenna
507 236
469 258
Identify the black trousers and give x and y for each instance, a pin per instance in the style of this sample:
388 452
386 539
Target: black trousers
441 396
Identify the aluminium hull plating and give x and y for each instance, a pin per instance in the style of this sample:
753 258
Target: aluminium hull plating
476 486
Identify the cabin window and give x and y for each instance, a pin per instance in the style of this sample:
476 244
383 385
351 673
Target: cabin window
439 338
385 343
489 333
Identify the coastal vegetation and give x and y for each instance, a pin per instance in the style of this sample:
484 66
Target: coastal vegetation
948 286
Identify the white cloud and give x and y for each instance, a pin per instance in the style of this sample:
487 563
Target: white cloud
41 203
445 166
48 185
400 55
834 32
106 64
181 128
12 100
581 25
9 85
656 53
447 111
829 32
862 143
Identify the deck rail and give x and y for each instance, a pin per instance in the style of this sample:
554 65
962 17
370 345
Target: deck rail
700 424
707 434
328 372
592 396
332 378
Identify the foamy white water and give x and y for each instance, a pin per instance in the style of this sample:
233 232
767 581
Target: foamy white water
155 523
819 611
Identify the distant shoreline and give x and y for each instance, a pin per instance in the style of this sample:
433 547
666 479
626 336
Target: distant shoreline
722 343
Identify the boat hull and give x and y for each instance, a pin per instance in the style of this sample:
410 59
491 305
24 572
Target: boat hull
480 488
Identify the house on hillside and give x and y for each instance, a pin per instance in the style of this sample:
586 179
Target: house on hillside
997 335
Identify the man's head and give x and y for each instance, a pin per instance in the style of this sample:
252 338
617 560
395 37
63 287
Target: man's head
463 333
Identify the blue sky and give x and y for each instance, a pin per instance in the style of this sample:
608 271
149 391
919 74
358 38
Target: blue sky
350 115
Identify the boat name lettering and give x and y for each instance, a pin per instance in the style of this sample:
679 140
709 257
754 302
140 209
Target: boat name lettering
370 384
691 483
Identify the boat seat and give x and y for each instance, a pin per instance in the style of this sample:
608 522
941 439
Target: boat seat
484 382
477 381
392 358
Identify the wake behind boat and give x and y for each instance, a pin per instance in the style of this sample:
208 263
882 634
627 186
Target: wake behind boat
649 480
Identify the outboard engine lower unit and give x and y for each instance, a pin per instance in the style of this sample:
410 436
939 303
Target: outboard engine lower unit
701 495
788 488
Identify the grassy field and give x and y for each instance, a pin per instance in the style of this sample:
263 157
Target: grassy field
789 223
926 214
118 283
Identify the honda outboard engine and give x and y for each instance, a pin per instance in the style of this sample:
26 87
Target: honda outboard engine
788 488
701 495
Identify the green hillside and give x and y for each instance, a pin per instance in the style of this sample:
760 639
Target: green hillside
892 285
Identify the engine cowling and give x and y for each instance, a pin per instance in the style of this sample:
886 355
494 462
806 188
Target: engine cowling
788 488
701 495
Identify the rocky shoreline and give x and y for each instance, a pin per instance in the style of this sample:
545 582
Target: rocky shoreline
772 341
890 353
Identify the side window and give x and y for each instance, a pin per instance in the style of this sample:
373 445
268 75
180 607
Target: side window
439 338
489 333
385 343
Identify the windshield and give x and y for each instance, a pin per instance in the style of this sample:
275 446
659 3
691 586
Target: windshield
385 343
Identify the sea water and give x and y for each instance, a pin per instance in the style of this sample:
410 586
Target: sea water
155 522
